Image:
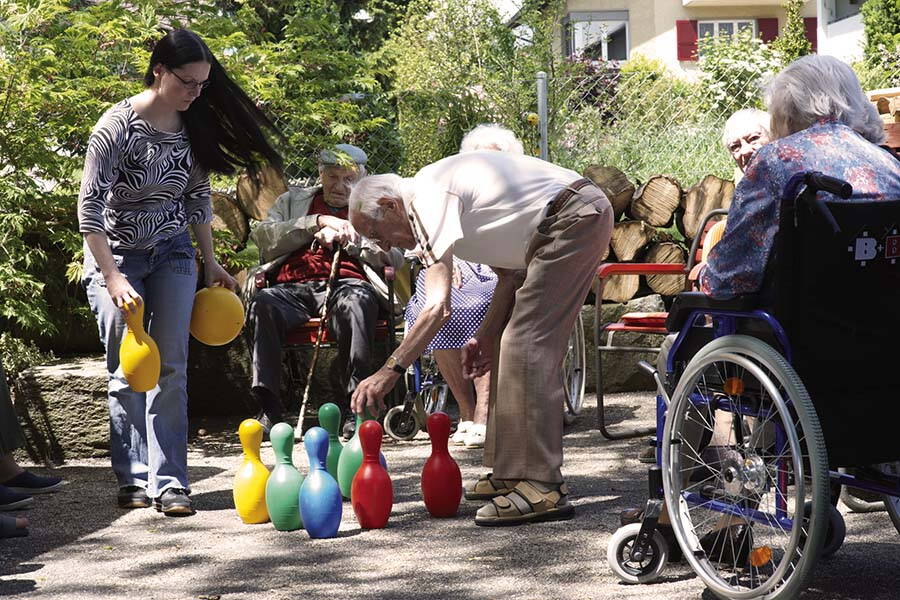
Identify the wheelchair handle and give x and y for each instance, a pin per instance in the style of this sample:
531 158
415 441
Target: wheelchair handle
819 182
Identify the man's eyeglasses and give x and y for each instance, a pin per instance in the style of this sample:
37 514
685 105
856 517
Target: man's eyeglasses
191 85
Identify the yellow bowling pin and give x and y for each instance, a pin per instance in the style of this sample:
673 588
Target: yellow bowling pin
138 354
252 476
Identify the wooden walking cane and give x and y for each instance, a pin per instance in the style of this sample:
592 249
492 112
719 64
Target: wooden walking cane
323 320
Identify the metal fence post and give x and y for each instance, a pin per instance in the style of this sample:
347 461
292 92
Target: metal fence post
542 111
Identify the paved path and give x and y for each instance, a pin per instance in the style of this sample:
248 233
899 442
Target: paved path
81 546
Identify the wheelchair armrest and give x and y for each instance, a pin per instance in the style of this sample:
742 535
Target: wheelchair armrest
608 269
687 302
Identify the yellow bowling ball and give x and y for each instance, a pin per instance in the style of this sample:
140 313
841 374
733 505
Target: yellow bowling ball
218 316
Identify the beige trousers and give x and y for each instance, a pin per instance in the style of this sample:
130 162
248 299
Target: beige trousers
525 421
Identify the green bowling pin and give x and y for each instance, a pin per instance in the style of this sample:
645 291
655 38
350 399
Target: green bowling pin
348 463
352 457
283 487
330 420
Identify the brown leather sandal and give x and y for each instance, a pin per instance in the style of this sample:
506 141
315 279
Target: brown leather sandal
528 502
487 488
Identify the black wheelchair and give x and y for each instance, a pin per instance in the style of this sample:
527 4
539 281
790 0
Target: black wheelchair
765 397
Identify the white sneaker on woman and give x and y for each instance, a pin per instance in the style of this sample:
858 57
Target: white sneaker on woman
459 438
475 436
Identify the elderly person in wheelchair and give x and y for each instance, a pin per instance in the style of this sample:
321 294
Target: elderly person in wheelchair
296 244
775 342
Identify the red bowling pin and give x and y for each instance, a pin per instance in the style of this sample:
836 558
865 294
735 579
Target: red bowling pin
371 493
441 479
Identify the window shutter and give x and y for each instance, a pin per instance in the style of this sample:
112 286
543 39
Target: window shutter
767 28
812 31
686 34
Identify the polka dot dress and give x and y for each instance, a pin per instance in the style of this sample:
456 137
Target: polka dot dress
469 304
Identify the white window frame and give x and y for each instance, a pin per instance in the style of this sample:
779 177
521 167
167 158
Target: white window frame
733 22
592 16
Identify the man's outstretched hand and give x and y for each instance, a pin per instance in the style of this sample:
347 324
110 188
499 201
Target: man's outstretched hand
370 392
477 354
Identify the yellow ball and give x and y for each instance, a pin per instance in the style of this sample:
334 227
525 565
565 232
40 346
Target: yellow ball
218 316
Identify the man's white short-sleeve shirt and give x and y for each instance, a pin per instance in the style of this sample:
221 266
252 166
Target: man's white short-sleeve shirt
484 205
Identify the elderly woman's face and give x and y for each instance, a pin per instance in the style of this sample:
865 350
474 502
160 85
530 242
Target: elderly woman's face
336 183
746 139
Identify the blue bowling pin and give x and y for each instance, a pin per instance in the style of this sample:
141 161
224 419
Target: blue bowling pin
320 496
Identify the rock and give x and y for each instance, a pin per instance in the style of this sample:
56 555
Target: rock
63 409
620 372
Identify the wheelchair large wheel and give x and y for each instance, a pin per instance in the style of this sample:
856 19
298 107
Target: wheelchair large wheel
573 371
737 489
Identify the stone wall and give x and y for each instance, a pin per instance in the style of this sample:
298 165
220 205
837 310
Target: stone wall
63 411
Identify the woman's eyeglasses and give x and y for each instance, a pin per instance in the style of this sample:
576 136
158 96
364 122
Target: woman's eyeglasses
191 85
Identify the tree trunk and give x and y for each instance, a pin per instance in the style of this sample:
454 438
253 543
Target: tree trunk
614 184
256 200
620 288
630 237
228 215
710 194
666 252
655 201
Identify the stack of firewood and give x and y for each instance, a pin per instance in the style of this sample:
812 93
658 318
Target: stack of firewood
644 232
887 102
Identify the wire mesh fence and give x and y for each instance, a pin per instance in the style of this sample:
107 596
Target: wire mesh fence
642 122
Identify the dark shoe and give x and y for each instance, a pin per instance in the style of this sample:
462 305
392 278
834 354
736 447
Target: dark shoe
648 455
9 527
10 500
175 502
730 545
268 421
349 428
133 496
27 482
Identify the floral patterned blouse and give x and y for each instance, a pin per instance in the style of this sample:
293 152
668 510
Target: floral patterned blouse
737 264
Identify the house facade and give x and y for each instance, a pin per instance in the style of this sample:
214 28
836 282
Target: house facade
668 30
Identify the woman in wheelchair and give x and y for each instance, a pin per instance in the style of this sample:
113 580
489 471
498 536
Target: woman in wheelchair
741 483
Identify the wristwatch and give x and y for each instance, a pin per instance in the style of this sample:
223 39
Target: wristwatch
394 365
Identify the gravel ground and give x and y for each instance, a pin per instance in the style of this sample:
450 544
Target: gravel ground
82 546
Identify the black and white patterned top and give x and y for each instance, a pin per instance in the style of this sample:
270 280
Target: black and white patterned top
140 185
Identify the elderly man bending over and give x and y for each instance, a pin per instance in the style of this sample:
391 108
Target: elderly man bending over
543 229
299 270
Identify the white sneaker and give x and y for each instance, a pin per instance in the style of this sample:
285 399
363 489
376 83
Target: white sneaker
459 438
475 436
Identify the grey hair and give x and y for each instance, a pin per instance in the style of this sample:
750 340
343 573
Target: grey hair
817 87
736 123
369 190
490 136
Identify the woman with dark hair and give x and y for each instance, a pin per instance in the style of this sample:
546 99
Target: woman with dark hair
146 178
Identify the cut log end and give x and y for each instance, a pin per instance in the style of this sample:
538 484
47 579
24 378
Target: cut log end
655 201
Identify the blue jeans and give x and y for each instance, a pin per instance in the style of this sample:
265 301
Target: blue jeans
148 431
